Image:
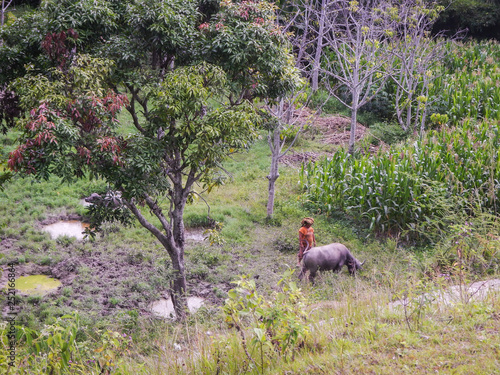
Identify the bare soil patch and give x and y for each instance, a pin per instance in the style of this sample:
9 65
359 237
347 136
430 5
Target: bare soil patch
332 130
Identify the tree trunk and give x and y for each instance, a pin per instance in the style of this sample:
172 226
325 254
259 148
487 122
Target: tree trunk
354 120
275 145
178 290
172 239
319 48
4 8
303 44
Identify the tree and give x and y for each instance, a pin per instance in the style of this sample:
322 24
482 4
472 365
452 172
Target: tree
5 6
304 21
283 116
418 55
318 51
481 18
357 55
187 79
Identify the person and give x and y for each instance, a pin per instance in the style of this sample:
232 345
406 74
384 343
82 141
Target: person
306 237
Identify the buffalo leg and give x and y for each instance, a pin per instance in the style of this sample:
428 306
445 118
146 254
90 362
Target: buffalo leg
312 275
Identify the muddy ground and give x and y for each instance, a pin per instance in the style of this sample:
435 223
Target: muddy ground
106 280
103 280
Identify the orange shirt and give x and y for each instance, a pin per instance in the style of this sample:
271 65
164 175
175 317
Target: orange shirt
307 234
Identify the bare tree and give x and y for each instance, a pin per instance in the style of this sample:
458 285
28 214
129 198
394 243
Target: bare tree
418 55
285 114
318 52
5 6
358 59
304 20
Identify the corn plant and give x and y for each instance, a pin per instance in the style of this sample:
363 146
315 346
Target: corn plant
407 186
468 87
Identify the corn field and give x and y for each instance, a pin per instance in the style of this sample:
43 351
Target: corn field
469 87
407 186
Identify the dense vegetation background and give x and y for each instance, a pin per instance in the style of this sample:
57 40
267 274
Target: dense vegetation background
420 204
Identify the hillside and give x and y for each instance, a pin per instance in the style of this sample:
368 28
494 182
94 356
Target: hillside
387 319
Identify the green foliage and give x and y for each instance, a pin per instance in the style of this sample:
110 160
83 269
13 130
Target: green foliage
21 46
468 88
244 39
92 19
327 103
166 26
214 235
64 347
389 133
185 95
276 326
405 187
481 18
469 248
195 220
289 132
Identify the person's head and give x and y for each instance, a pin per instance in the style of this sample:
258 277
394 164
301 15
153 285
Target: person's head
307 222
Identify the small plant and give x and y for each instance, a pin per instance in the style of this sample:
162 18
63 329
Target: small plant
415 299
63 347
65 241
276 326
214 234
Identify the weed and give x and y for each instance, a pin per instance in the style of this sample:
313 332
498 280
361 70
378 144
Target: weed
276 327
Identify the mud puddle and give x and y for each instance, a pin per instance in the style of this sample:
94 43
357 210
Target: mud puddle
70 228
84 203
165 309
37 285
195 235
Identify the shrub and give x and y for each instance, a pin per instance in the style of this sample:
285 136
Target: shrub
62 347
276 326
389 133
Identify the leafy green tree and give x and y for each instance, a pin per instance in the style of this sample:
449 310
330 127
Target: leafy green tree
188 80
481 18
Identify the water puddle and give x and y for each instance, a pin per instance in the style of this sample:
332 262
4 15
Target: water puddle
84 203
37 285
165 309
476 291
195 235
70 228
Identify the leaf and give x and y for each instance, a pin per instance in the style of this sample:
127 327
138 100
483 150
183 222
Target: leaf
260 333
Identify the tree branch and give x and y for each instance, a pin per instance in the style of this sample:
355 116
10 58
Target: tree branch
165 240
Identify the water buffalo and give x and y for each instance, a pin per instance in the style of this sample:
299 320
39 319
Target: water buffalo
330 257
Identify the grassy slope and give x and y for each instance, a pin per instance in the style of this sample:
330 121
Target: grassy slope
126 269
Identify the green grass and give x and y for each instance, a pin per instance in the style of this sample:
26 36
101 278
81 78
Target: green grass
112 281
